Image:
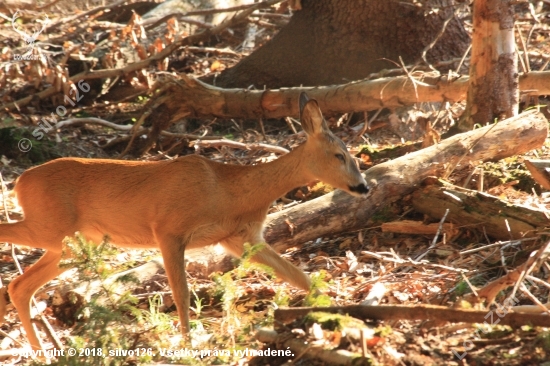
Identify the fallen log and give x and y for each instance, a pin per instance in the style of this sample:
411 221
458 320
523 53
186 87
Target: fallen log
500 219
187 97
504 315
337 212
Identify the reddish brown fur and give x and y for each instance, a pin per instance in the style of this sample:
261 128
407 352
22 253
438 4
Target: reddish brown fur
171 205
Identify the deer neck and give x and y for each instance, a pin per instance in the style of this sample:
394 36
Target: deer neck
264 183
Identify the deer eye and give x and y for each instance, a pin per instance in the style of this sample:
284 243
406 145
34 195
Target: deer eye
340 157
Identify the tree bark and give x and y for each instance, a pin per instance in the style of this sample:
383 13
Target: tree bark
493 90
335 41
337 212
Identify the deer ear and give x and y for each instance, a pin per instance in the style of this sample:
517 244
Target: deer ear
303 101
311 117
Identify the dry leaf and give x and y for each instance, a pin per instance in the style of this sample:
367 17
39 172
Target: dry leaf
345 244
217 66
366 159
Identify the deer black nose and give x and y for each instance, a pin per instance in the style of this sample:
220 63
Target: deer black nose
360 188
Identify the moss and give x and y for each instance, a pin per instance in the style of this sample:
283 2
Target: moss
332 322
544 340
19 144
382 215
388 153
508 170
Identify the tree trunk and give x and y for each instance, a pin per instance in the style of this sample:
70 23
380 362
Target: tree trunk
493 90
336 41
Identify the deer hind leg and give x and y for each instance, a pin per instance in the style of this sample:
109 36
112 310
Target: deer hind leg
23 288
37 233
283 268
19 232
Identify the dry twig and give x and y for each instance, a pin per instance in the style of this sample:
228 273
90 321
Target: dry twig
516 276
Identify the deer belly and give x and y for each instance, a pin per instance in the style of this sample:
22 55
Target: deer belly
120 236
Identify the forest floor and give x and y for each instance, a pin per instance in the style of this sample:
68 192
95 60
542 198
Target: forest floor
229 309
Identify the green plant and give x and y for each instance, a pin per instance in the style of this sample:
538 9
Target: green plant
109 330
230 292
315 297
544 340
154 318
462 288
111 327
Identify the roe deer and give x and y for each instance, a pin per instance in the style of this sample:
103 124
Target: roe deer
173 205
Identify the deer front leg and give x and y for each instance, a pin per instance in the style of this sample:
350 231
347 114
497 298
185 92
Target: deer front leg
173 255
283 268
